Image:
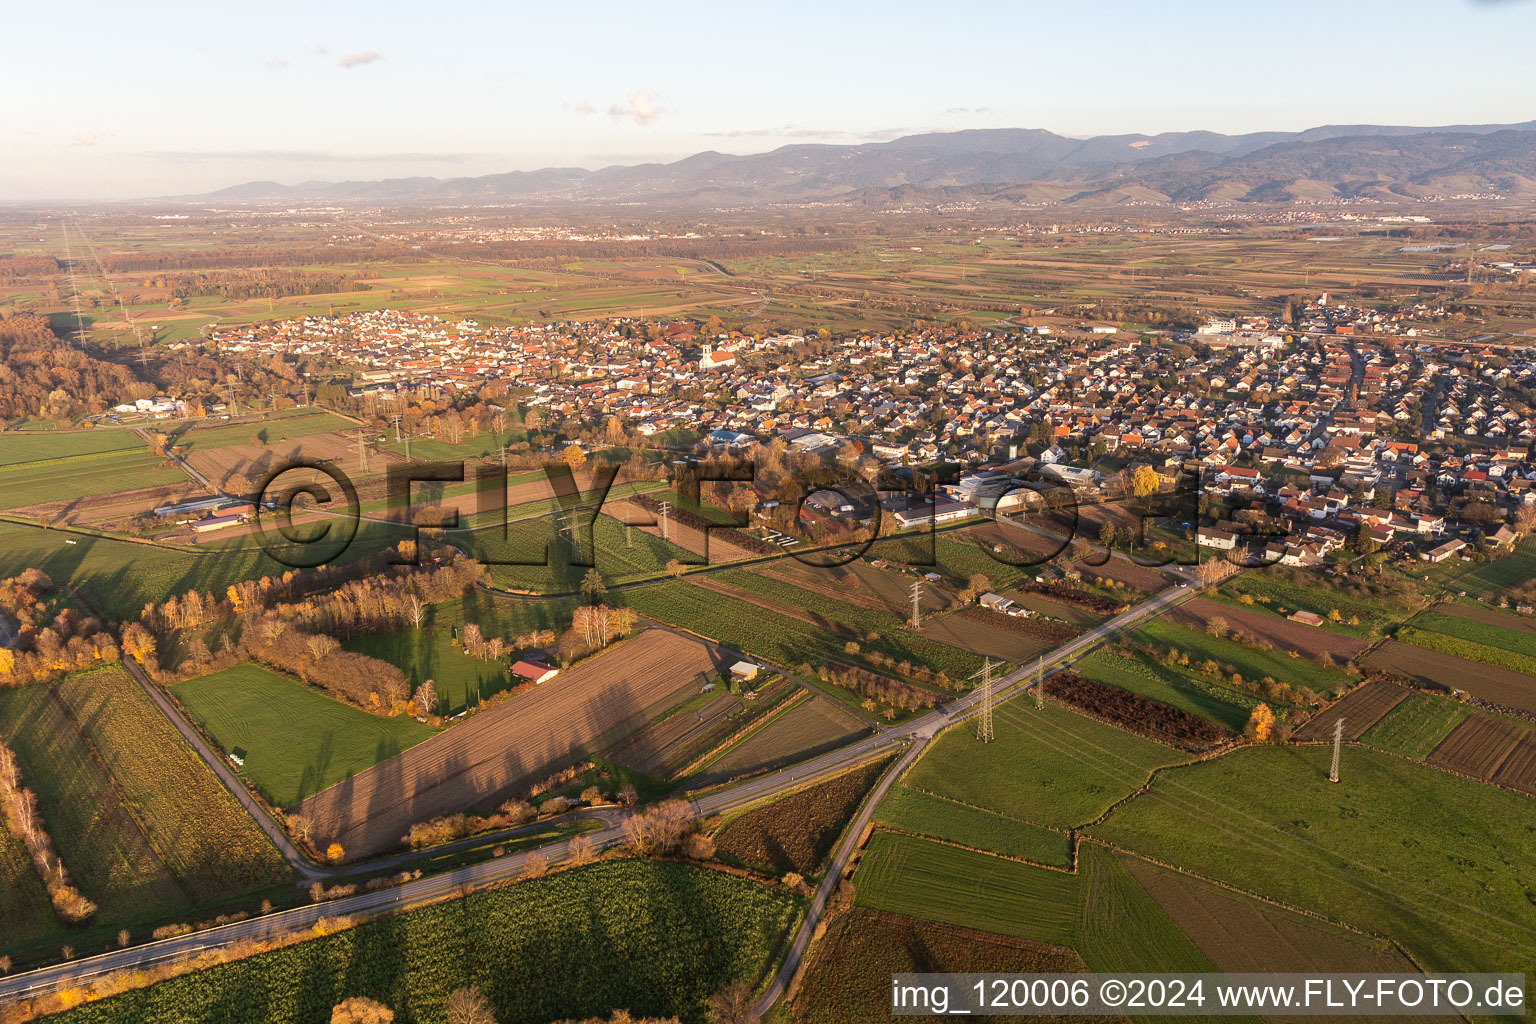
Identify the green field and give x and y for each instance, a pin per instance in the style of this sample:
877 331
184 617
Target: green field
108 857
1440 863
906 810
1253 664
1417 725
295 740
267 430
431 652
1047 766
1181 689
1102 912
58 444
653 938
36 483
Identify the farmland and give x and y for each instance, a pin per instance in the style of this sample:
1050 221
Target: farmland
778 632
1241 934
35 483
1437 862
1133 712
1484 626
1252 663
57 446
1178 688
1101 911
1361 708
1266 627
1417 725
841 616
1501 657
1048 766
848 979
295 740
922 814
797 832
203 835
653 938
1479 746
512 743
100 842
1445 671
811 727
996 635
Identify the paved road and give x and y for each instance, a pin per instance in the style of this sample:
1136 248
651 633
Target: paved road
917 731
834 875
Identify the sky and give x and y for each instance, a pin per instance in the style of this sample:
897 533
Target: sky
111 100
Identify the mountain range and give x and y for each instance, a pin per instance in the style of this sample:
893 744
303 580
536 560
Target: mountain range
1010 164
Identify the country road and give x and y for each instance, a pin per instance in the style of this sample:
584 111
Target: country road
918 732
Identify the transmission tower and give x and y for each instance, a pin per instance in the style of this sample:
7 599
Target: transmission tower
666 507
1039 685
361 437
1338 745
984 723
917 596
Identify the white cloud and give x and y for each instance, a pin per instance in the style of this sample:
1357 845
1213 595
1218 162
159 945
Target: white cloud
355 60
642 108
86 138
277 64
582 107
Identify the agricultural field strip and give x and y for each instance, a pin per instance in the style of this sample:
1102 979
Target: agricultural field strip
1225 816
983 810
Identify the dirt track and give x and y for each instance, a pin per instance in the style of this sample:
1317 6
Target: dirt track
513 743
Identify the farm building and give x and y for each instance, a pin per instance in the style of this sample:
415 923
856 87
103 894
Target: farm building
533 671
1441 552
999 603
745 671
213 523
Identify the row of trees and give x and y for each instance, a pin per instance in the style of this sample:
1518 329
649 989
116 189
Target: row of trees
865 683
21 815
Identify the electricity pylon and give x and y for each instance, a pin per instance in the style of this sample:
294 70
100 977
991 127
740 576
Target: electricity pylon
1338 745
666 507
1039 685
984 723
917 596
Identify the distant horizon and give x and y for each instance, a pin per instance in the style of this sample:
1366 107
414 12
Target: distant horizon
183 100
727 152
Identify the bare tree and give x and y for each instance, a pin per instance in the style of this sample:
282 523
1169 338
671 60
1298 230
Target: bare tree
426 698
535 865
361 1010
732 1004
469 1006
415 611
321 645
582 850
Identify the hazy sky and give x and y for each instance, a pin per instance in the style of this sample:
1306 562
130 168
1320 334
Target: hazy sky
106 100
